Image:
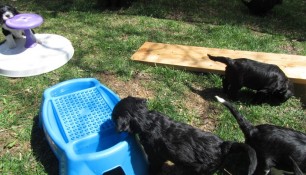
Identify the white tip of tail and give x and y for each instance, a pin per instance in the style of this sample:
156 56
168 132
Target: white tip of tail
220 99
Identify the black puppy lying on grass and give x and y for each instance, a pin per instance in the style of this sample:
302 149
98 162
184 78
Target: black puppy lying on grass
261 7
195 151
275 146
267 79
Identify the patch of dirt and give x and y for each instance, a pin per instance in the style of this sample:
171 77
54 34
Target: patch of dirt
136 87
10 144
202 108
289 47
132 87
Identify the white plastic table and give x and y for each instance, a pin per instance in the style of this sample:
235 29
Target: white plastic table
29 58
53 52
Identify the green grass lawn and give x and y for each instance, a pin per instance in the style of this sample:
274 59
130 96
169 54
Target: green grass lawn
104 41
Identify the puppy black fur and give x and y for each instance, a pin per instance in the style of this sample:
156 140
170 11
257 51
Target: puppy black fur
261 7
193 150
296 168
267 79
275 146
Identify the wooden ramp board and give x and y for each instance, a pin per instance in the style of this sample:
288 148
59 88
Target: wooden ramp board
195 59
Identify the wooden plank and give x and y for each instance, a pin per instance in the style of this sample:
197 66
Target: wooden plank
195 59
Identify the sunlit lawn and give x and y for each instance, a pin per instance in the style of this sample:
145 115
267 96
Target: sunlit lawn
104 41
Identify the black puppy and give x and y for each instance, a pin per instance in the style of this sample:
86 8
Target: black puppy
195 151
275 146
261 7
7 12
267 79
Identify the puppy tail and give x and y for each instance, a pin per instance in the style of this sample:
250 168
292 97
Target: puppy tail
297 170
235 147
246 127
224 60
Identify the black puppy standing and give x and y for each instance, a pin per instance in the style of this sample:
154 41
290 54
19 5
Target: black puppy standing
7 12
275 146
195 151
267 79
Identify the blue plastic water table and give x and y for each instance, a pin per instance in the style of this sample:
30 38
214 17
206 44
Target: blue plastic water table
76 118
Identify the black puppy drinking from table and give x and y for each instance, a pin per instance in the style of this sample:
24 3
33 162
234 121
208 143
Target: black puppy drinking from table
275 146
267 79
195 151
7 12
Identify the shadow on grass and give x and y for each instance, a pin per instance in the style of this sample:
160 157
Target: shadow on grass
232 13
244 96
42 150
286 19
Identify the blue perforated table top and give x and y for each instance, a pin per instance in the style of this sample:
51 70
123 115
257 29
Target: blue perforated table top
82 113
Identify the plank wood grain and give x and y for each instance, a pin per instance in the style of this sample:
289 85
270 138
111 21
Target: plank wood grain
195 59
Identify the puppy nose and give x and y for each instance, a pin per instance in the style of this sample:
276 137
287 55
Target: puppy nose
8 16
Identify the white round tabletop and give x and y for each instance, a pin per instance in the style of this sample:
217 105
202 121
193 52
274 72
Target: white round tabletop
52 52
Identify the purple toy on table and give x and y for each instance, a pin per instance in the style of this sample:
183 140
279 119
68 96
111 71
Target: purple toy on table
26 22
